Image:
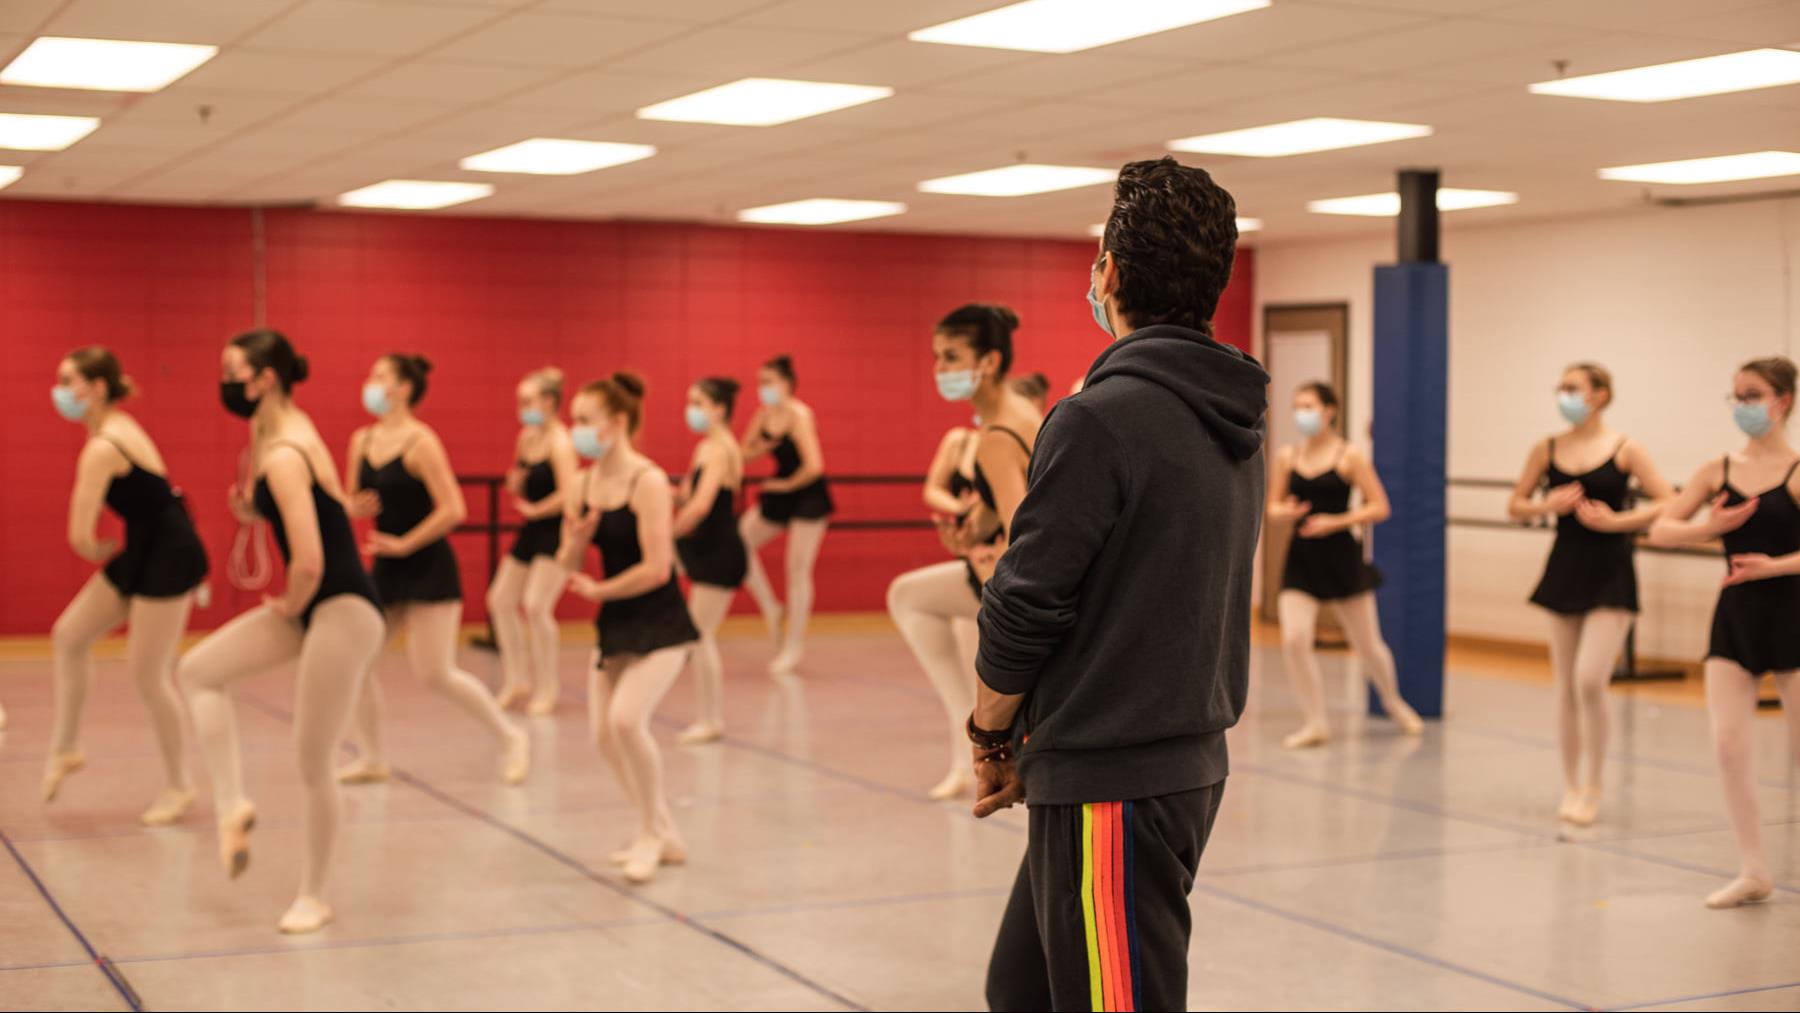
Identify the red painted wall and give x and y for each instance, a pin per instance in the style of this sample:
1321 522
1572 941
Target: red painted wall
487 300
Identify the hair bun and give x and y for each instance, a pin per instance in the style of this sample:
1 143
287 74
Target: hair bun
1006 315
729 385
629 382
551 375
422 363
301 369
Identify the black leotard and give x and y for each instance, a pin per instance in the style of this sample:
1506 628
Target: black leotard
162 556
344 573
428 575
1755 624
1589 569
1329 568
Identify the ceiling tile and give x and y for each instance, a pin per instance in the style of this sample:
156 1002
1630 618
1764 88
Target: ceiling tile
552 40
698 11
344 27
1432 44
253 70
364 115
206 21
26 15
730 53
1776 24
1620 15
897 19
903 64
1288 25
447 81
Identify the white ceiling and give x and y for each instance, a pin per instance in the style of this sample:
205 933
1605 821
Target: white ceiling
310 98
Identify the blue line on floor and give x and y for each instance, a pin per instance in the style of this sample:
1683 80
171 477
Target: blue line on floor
1382 944
113 976
1709 995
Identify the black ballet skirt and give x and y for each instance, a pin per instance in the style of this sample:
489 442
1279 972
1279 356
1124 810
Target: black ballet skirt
714 553
541 537
428 575
651 621
344 573
1330 568
809 503
162 556
1589 569
1757 625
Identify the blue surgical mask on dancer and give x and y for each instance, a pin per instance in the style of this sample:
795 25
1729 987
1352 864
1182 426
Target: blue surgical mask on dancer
531 416
697 420
1573 406
1309 421
1753 419
375 400
769 394
588 442
957 386
67 404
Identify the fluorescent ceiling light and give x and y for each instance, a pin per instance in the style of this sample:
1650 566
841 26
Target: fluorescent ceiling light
1663 82
1722 169
1068 26
415 194
1387 205
31 132
1019 180
9 174
1298 137
763 102
104 64
821 211
550 156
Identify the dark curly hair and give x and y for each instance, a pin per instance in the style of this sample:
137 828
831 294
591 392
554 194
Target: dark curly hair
1172 234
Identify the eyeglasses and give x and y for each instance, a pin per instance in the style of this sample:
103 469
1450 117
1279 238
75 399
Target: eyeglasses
1734 399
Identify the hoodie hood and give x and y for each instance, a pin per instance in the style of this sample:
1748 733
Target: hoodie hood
1227 389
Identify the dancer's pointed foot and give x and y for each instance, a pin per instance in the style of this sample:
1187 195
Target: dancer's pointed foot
700 733
518 757
959 782
1307 738
542 705
168 807
234 839
366 770
59 766
511 696
1740 891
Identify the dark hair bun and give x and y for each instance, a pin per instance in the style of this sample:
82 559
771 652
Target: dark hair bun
1007 316
728 386
421 363
302 369
629 382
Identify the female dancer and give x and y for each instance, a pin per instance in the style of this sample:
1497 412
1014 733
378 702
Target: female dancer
1589 585
797 498
973 347
623 505
327 619
708 543
416 502
1325 561
1754 495
148 582
528 576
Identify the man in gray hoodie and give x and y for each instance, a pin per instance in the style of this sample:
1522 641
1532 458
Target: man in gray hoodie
1115 633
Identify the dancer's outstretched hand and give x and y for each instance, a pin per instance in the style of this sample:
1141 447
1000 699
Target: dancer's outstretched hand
1729 518
1749 566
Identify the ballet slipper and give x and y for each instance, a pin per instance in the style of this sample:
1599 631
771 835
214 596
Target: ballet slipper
957 783
1564 809
787 662
1584 809
363 771
306 914
699 733
644 858
234 839
2 718
59 766
518 758
168 807
1408 719
541 706
1740 891
674 852
511 696
1307 738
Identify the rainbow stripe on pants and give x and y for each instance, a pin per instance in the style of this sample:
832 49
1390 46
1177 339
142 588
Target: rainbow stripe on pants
1108 905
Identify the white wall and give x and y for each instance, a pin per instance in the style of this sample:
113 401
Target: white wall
1670 299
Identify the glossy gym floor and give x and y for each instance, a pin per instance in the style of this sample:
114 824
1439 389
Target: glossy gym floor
1375 873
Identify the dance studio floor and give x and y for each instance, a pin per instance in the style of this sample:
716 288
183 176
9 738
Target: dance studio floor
1374 873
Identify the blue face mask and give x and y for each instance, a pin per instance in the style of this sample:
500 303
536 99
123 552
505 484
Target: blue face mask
1573 406
531 416
67 404
957 386
1309 421
588 442
697 420
769 395
375 400
1099 309
1753 419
